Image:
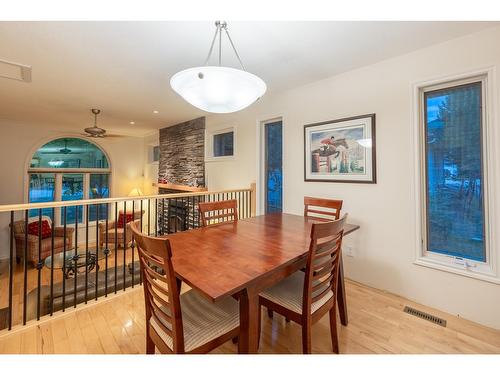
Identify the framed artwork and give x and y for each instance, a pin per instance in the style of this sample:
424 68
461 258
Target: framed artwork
341 150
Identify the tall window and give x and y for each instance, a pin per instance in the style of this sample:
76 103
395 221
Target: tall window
454 172
69 169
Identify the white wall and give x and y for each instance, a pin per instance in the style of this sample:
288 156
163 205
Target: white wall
18 141
385 245
150 167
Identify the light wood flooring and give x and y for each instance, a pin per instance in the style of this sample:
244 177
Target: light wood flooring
115 257
377 324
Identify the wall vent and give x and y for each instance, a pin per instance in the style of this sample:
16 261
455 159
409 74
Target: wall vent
12 70
424 315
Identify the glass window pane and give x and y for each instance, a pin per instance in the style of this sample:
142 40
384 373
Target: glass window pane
41 189
223 144
72 189
69 153
99 188
274 167
454 172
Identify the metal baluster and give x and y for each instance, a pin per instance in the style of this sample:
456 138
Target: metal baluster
75 258
106 252
140 273
52 238
175 217
96 259
87 209
185 203
194 211
11 267
25 261
149 217
64 259
196 217
132 245
39 264
162 216
156 217
116 245
124 241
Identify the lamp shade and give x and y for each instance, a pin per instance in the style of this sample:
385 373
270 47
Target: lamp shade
218 89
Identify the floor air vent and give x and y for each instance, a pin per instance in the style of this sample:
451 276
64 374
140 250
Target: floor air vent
424 315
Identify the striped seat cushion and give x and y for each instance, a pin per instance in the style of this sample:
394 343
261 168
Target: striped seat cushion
202 320
289 293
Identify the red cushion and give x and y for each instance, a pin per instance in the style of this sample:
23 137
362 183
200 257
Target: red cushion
123 219
46 229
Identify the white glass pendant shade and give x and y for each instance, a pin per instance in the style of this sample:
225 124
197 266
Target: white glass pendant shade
218 89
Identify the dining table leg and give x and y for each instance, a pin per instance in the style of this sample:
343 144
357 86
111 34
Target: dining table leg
341 297
248 341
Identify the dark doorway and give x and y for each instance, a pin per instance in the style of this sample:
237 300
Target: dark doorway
273 135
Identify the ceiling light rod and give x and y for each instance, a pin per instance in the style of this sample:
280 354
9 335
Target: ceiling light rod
95 112
220 25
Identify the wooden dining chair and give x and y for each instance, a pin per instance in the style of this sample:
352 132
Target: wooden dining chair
322 208
305 297
175 323
218 212
319 208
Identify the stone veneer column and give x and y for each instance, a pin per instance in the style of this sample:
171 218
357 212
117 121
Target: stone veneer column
182 153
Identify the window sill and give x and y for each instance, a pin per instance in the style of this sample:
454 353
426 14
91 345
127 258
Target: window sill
486 274
219 158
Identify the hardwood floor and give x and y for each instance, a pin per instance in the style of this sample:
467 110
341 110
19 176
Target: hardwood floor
377 324
115 257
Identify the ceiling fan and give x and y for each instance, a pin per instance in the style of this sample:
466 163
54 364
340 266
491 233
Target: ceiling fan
95 131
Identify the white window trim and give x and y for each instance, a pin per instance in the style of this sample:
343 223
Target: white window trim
209 144
486 271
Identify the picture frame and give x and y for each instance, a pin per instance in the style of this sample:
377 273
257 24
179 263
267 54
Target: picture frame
341 150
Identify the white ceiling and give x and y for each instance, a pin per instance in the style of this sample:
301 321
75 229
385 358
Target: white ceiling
124 68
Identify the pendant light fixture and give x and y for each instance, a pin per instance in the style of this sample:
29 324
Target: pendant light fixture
218 89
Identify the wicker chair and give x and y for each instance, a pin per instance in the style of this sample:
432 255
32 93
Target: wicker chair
120 232
46 248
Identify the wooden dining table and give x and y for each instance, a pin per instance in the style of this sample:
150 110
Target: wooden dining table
244 258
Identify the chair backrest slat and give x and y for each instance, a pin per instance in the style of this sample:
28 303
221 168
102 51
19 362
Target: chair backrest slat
161 292
333 205
323 262
218 212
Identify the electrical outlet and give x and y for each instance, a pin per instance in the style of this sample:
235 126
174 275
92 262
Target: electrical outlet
348 250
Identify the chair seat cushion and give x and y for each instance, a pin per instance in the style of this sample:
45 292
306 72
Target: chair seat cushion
202 320
289 293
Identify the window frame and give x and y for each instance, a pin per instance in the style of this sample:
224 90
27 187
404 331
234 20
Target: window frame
58 174
487 270
58 182
209 144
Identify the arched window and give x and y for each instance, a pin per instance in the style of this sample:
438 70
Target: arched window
69 169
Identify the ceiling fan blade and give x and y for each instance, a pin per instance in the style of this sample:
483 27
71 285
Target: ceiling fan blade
115 136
